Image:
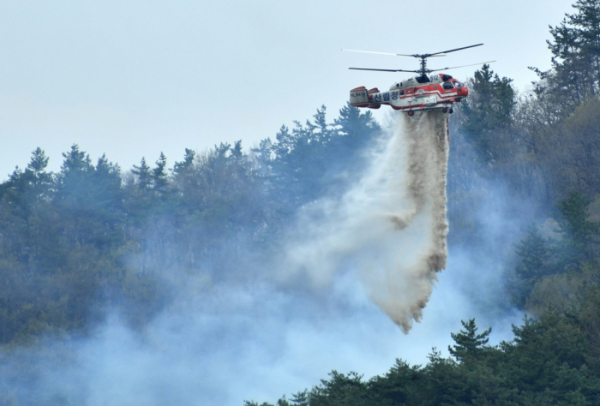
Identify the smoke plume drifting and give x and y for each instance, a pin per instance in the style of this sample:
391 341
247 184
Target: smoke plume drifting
391 227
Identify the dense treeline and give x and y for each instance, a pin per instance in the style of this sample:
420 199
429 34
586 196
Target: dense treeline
90 237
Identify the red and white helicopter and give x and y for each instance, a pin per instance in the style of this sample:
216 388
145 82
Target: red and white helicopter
423 92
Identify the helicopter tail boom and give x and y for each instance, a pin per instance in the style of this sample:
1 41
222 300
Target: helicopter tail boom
361 97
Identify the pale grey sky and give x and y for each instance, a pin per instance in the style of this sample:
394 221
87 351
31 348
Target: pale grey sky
134 78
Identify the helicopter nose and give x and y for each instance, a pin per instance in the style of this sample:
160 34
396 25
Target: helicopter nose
463 91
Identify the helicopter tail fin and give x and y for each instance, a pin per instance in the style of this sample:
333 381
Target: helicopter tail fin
359 97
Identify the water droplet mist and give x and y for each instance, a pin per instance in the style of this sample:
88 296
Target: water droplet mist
390 227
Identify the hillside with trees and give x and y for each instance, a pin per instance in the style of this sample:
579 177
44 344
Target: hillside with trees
542 150
93 238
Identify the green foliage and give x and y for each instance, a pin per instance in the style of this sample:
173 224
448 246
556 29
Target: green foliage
397 386
489 108
159 176
469 344
548 362
143 175
491 104
250 403
588 315
533 253
555 293
549 276
549 357
583 235
317 157
558 122
90 238
570 151
183 167
576 51
339 389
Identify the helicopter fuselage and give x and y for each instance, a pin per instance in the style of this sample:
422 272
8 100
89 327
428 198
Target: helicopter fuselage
437 91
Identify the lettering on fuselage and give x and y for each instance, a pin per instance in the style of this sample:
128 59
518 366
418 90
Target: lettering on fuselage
358 94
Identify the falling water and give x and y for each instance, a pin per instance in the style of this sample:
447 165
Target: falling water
391 226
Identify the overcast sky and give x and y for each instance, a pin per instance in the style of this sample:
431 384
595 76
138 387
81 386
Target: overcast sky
134 78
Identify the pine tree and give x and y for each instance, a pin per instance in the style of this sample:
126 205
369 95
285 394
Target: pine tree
184 181
236 151
74 180
469 344
159 176
27 188
489 108
575 47
582 235
37 166
533 253
356 130
143 175
183 167
108 194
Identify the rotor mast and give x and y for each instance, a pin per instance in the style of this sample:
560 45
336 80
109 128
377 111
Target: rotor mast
424 70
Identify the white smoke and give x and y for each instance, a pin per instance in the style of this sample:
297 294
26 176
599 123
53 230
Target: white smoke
222 342
390 227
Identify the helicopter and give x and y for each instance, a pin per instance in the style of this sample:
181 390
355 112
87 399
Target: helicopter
426 91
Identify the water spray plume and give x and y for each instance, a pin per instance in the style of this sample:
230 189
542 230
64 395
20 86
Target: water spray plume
406 286
391 227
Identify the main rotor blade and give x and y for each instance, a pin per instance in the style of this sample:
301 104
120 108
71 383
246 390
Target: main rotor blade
456 67
452 50
386 70
420 56
386 53
371 52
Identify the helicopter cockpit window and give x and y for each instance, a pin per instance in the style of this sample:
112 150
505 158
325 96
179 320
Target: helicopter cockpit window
448 85
459 84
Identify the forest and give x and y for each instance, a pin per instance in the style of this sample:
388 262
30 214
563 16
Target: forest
92 237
